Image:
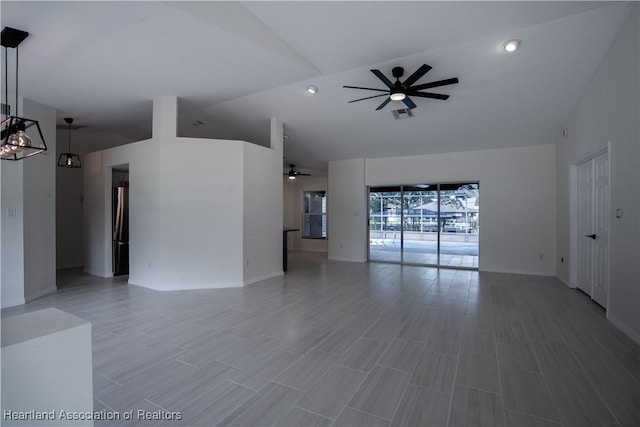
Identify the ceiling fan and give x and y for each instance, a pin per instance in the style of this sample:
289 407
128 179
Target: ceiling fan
400 91
293 173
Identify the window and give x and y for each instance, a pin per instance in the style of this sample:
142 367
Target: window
314 215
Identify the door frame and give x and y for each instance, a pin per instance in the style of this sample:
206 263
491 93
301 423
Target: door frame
402 261
573 216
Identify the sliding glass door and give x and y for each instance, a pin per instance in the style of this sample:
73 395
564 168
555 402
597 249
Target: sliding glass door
460 225
425 224
385 223
420 230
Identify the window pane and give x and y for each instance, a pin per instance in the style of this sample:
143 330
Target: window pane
314 214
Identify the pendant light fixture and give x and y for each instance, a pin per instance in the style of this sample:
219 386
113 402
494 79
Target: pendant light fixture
69 159
15 144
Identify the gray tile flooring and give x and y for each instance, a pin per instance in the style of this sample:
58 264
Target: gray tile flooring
347 344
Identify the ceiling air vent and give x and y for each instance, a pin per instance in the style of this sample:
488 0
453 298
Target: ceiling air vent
403 113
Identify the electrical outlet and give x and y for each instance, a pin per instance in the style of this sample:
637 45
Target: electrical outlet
11 212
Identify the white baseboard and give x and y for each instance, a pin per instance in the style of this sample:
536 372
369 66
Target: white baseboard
41 293
13 302
189 286
65 267
96 273
624 328
263 277
347 259
567 284
528 273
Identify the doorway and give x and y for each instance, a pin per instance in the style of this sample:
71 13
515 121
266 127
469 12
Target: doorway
593 227
425 224
120 220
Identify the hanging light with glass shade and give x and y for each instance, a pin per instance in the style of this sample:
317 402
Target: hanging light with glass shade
69 159
15 144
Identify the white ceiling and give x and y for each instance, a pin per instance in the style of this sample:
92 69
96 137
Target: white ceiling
235 64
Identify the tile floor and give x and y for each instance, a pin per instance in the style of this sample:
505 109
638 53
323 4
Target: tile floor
343 344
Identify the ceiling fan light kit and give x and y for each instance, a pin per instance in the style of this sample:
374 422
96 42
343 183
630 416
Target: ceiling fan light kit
312 89
15 144
402 91
293 173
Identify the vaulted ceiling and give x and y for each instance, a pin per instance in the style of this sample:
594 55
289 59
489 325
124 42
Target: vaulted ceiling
234 65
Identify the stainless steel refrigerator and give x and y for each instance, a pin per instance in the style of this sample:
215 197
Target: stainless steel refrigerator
120 230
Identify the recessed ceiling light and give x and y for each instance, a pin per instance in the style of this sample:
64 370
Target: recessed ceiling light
511 45
312 89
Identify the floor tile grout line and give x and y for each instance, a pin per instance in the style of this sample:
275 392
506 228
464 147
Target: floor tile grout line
364 412
221 418
404 391
590 380
315 413
355 390
540 365
504 409
453 386
535 416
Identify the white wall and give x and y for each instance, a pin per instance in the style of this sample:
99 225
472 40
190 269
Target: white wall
12 254
185 221
517 199
347 208
608 112
262 212
39 179
28 254
294 210
69 192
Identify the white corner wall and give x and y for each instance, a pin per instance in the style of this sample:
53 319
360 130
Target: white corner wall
517 199
28 239
294 215
262 213
185 222
607 114
347 211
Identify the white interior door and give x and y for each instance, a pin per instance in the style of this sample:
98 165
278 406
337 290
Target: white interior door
593 228
585 226
600 229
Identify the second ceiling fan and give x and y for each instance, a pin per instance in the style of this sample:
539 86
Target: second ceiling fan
293 173
400 91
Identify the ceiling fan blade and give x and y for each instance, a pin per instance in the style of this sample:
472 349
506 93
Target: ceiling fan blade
364 88
424 69
438 83
302 174
385 102
429 95
382 77
409 103
368 97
